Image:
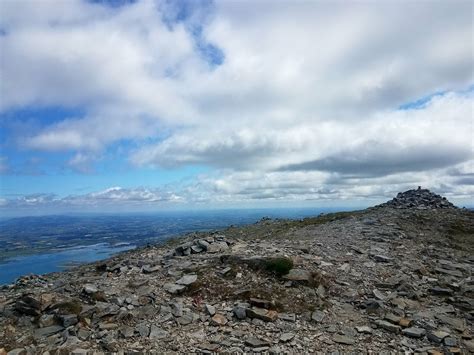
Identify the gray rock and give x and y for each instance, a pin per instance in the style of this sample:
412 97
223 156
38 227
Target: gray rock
414 332
47 320
176 309
17 351
187 280
157 333
173 288
289 317
255 342
382 258
437 336
263 314
441 291
197 249
47 331
387 326
217 247
143 330
126 331
28 305
186 319
147 269
298 275
240 312
379 295
342 339
211 310
364 329
286 337
392 318
318 316
83 334
79 351
69 320
90 289
450 341
203 244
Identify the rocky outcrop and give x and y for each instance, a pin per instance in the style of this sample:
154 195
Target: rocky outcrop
420 199
383 279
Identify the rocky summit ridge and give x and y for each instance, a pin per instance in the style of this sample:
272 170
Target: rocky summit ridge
420 199
397 277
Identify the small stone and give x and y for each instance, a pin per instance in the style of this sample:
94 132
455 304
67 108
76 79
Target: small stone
342 339
197 249
289 317
208 347
263 314
437 336
286 337
47 331
186 319
157 333
147 269
211 310
219 319
379 295
382 258
364 329
449 341
90 289
79 351
217 247
414 332
69 320
126 331
174 288
392 318
225 271
47 320
257 302
405 322
298 275
18 351
143 330
255 342
387 326
318 316
187 280
83 334
441 291
240 312
203 244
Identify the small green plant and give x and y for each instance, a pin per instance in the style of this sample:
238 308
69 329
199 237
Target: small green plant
280 266
69 307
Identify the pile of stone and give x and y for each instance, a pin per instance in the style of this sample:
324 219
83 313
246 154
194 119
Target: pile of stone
209 244
419 199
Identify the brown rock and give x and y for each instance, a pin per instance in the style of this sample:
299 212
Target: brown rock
219 319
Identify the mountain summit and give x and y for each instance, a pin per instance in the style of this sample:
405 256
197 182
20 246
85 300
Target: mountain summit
419 199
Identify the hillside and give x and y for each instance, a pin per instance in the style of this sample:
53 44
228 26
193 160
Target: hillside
394 277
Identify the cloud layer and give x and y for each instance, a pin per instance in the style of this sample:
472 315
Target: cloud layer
295 100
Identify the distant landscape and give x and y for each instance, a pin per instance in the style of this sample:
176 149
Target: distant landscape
25 241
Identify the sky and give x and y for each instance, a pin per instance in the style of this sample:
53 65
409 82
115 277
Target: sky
123 105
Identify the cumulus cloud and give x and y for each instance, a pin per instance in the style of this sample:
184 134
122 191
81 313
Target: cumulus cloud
239 87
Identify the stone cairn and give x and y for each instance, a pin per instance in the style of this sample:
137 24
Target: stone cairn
419 199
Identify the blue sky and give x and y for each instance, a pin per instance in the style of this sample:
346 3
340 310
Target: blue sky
144 105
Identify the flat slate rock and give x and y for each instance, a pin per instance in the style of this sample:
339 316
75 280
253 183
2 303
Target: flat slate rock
47 331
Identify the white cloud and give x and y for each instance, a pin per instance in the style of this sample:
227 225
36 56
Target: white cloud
315 83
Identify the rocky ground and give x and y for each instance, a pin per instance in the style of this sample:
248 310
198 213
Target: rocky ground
395 277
